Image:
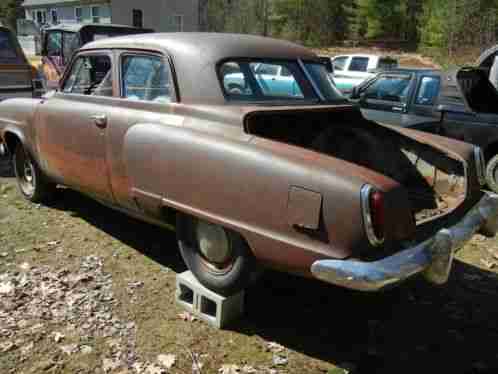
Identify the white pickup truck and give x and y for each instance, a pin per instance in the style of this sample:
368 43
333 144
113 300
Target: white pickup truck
351 70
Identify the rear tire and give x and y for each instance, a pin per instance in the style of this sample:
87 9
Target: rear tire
31 182
492 174
219 258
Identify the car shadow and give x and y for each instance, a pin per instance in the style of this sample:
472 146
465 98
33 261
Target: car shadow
6 170
416 328
155 242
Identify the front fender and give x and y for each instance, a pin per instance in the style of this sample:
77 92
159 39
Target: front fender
17 120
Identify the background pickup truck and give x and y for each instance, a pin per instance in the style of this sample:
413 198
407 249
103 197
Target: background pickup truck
352 70
401 97
459 104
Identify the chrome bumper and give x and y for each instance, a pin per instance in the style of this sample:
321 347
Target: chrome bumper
433 257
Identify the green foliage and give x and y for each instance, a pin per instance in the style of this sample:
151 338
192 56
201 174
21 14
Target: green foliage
10 11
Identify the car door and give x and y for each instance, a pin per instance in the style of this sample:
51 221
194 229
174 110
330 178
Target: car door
385 99
72 125
422 108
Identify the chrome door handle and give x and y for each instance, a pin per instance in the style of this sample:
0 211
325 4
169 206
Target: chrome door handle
100 120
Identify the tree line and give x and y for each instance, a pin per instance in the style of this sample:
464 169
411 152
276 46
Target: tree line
443 27
438 26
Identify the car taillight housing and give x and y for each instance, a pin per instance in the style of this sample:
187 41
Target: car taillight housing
372 203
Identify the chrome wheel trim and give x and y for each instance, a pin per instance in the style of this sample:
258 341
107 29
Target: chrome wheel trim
214 246
26 176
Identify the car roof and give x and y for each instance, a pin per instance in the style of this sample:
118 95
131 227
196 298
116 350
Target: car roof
195 56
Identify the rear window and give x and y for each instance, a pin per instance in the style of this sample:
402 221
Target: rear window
359 64
8 49
259 80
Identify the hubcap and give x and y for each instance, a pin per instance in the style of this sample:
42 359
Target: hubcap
214 244
25 173
28 172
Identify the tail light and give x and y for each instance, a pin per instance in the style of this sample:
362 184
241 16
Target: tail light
372 202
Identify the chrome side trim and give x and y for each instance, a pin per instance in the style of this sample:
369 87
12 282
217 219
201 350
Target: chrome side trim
433 258
480 165
365 193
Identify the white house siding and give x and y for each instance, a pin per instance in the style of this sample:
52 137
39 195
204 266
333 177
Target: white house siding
158 14
67 13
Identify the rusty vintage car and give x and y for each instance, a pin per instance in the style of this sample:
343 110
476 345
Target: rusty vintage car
255 175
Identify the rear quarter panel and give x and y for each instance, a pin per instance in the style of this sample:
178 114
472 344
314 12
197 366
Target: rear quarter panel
244 184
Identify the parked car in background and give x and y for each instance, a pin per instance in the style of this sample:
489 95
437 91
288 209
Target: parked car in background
401 97
274 79
58 44
351 70
461 104
253 177
17 77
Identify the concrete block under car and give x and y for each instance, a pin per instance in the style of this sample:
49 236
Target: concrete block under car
216 310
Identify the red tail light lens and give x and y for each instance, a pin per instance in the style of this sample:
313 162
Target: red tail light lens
372 202
377 213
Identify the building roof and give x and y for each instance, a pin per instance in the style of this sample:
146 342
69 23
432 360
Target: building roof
195 56
36 3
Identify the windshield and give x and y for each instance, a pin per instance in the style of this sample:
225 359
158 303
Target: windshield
277 81
8 49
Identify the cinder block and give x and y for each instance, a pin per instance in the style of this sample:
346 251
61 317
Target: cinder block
205 304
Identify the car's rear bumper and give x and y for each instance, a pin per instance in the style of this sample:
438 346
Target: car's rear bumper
433 257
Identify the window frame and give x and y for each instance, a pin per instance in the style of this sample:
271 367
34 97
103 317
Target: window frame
92 16
175 95
80 18
181 17
69 69
139 13
419 86
55 20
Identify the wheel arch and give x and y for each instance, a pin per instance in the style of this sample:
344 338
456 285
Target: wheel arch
491 150
12 139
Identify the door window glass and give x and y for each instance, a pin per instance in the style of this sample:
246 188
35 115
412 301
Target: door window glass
146 78
90 75
138 18
340 63
70 45
54 44
428 91
393 87
8 50
359 64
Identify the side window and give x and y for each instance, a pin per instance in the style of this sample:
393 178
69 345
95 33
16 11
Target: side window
340 63
90 75
54 44
146 78
359 64
389 88
70 45
428 91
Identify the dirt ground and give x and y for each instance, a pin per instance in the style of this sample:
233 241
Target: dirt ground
84 289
